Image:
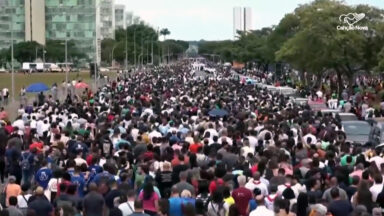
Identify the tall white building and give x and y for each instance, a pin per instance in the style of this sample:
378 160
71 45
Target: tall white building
120 17
242 20
247 19
106 18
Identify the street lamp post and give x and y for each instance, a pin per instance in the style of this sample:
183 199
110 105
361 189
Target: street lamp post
66 62
43 58
12 69
113 50
134 45
147 54
142 53
96 44
152 51
126 50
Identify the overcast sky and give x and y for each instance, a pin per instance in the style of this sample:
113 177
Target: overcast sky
212 19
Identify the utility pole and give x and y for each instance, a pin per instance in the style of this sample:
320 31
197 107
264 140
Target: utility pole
168 56
12 69
126 49
147 54
43 58
142 52
134 45
152 51
35 53
96 44
66 62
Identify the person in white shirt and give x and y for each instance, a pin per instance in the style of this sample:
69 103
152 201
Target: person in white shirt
22 199
377 187
40 128
127 208
377 159
270 199
154 133
255 182
212 131
261 208
252 139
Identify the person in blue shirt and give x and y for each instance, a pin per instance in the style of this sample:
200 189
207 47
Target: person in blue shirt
175 203
27 161
104 176
43 175
252 204
78 179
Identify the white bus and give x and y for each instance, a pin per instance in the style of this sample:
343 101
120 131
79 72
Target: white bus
41 67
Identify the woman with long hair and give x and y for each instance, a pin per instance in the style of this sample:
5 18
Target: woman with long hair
363 196
217 207
302 205
150 199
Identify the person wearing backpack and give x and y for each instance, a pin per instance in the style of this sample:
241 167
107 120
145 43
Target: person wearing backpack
26 164
217 206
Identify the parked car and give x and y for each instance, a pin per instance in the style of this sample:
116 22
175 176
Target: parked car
285 90
300 101
344 116
104 69
357 131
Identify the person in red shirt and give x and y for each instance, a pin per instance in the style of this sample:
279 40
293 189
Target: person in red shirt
215 184
242 195
195 147
36 144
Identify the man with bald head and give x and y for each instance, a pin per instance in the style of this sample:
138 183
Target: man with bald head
256 182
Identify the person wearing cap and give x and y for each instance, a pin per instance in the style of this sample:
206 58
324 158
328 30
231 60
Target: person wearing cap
40 203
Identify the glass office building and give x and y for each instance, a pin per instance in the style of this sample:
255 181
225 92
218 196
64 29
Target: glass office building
72 20
12 16
80 20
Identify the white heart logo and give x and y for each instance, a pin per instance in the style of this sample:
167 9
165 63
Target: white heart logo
351 18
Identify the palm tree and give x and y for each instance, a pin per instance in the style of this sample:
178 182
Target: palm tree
165 32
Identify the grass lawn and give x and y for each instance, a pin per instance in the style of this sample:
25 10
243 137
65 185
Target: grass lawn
22 79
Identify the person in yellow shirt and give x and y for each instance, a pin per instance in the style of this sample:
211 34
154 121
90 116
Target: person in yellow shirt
228 199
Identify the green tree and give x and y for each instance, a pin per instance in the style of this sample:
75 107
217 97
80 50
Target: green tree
25 51
131 39
318 47
55 51
164 32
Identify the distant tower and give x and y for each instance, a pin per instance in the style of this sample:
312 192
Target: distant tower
247 19
242 20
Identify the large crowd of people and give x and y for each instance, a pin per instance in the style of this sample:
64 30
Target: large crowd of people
167 142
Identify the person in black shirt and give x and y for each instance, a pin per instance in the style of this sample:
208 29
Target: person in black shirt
40 204
178 168
339 207
164 179
112 194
